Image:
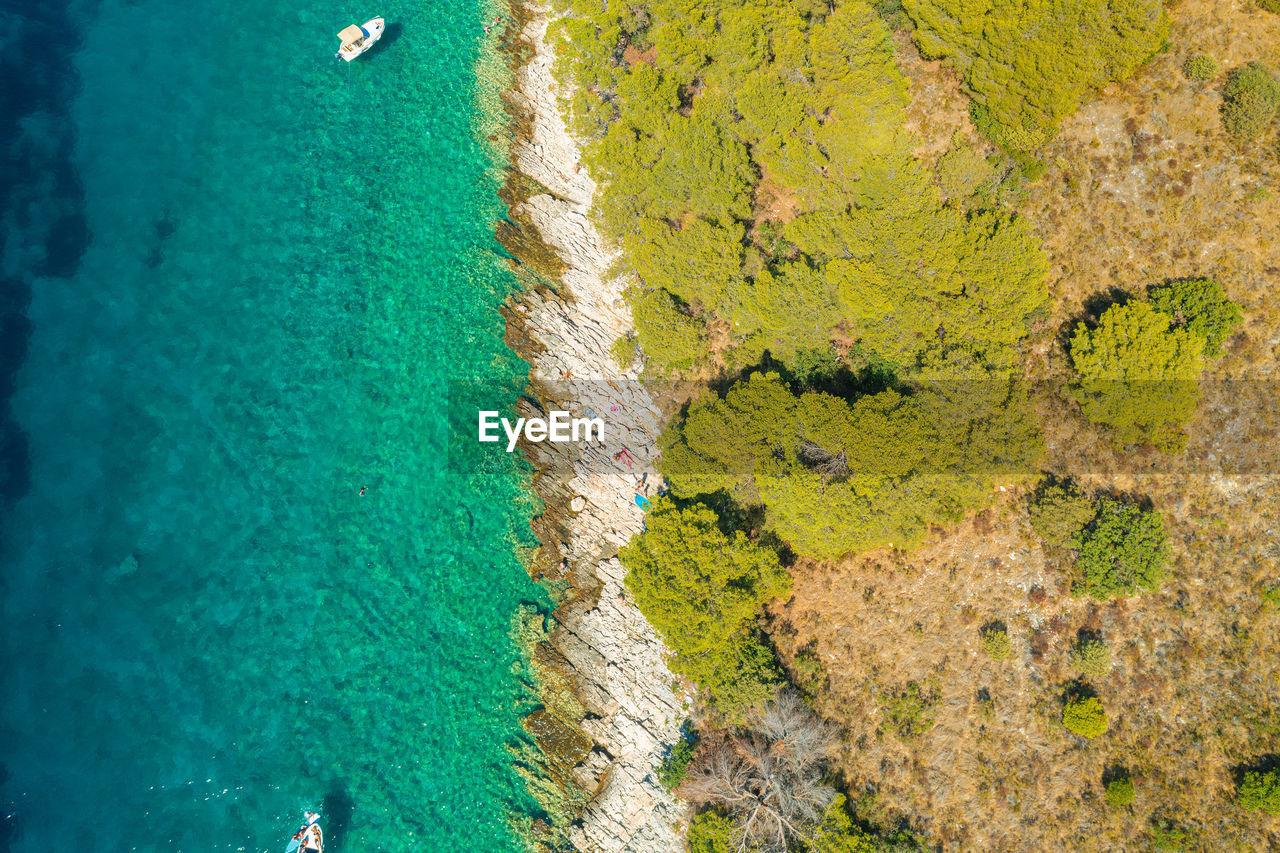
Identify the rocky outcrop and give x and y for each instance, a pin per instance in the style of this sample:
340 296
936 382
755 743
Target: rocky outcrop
611 655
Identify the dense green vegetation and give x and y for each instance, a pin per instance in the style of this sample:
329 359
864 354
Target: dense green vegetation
1249 101
1137 369
672 339
836 476
805 102
839 834
711 832
1085 716
1027 64
1260 790
701 589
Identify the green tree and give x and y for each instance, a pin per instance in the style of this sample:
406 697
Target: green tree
671 338
961 171
1059 511
1260 790
1085 716
1137 374
710 258
1202 306
1122 552
739 91
702 589
1249 101
995 641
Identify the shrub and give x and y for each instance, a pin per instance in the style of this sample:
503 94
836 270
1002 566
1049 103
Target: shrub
1169 836
910 712
1119 790
807 672
1137 374
711 832
1121 552
701 589
624 351
675 766
1201 305
1059 511
1249 101
1091 657
1201 67
1085 716
995 641
1260 790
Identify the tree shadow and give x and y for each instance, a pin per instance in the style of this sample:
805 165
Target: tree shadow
1114 773
1269 763
1090 312
815 371
1077 691
1087 635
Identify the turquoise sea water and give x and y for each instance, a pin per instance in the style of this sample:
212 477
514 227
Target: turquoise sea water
256 276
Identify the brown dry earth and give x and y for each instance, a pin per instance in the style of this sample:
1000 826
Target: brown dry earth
1141 186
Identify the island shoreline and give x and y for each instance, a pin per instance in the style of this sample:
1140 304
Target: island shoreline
610 708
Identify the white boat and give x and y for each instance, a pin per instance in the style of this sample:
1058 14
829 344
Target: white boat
357 39
309 838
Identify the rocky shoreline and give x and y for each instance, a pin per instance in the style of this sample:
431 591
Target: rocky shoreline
604 740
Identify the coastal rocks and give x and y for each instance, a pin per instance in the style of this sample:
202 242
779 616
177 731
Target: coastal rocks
633 706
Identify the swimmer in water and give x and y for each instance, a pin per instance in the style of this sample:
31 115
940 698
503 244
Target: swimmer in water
363 489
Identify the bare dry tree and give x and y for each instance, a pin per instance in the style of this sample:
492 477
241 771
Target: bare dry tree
832 466
771 778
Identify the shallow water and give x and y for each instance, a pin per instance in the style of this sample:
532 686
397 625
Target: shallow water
256 277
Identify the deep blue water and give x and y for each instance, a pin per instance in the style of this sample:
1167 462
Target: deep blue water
241 281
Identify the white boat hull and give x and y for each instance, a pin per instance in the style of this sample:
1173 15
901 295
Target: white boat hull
371 31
